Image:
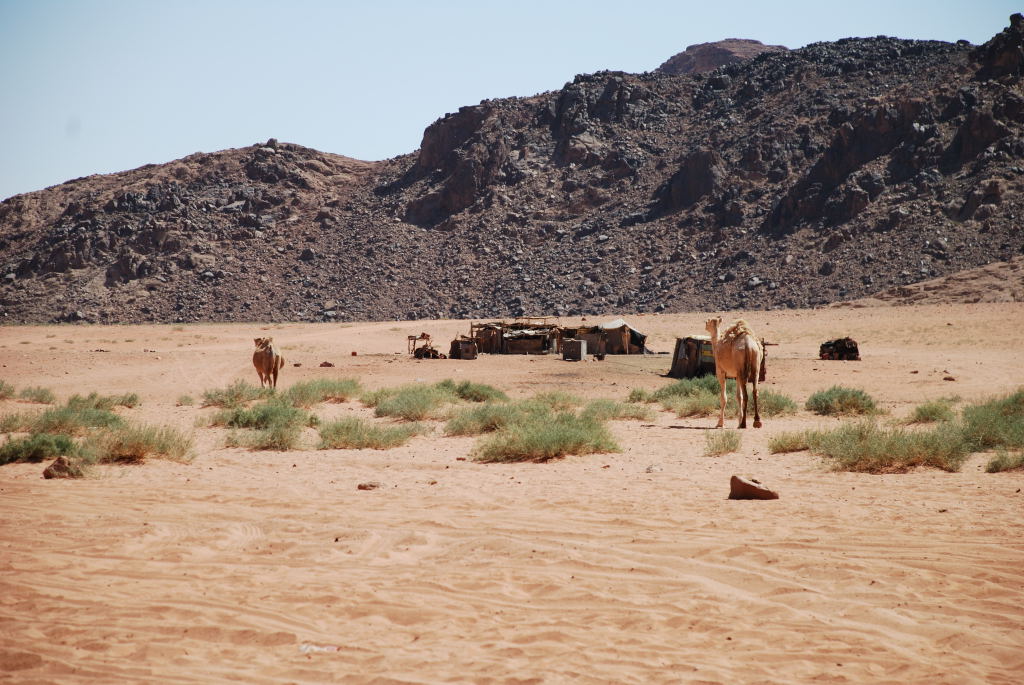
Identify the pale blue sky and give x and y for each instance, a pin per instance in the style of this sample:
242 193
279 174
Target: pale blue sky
97 86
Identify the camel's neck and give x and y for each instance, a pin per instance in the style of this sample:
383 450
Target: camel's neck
714 336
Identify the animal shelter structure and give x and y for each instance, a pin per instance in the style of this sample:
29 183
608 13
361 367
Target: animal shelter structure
523 336
692 357
541 336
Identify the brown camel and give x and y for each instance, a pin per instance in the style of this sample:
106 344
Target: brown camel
267 361
738 355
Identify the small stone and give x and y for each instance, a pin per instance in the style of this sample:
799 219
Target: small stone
370 485
326 364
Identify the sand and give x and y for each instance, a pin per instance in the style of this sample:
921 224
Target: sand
630 567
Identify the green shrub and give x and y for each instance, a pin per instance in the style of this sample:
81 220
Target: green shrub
998 422
473 392
1005 461
281 437
235 395
309 393
12 423
542 437
771 403
487 418
718 442
840 401
690 387
133 444
606 410
413 402
700 404
640 395
557 400
6 390
354 433
932 412
72 421
36 448
38 395
791 441
106 402
185 401
273 412
866 447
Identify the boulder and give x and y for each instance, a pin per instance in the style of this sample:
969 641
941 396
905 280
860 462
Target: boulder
62 467
749 488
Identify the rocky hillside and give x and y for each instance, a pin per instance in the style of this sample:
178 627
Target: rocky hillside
793 179
704 57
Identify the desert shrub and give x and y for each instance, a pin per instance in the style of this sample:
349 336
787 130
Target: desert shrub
6 390
640 395
932 412
276 437
106 402
488 417
413 402
133 444
689 387
36 448
771 403
840 401
998 422
12 423
541 437
473 392
1005 461
273 412
557 400
186 401
37 395
790 441
700 404
718 442
235 395
864 446
354 433
309 393
605 410
72 421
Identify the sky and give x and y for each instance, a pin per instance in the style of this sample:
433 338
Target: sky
99 86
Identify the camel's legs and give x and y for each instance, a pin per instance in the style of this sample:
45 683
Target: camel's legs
741 401
757 414
721 403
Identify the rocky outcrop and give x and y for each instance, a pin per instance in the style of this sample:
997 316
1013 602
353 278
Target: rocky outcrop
710 56
795 179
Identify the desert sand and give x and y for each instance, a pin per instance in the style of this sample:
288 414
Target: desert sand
629 567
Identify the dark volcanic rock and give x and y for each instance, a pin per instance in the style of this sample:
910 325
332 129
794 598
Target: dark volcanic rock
798 178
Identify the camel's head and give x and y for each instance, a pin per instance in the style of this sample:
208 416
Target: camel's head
712 325
262 342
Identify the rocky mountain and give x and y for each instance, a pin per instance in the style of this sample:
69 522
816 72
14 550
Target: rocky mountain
705 57
792 179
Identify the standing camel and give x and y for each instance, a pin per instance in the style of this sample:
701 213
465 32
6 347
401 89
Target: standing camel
738 355
267 360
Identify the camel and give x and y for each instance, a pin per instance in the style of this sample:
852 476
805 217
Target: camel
267 361
738 355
